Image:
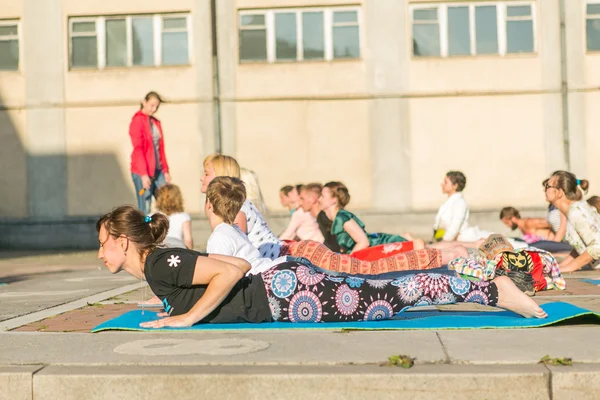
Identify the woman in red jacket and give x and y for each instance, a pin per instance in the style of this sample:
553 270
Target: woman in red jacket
149 168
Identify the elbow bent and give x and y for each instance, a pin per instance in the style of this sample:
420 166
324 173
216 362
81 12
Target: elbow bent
245 267
237 274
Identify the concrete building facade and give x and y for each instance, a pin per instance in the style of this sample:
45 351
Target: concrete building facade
384 95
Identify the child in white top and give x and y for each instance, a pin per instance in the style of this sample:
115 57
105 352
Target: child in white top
229 240
249 218
452 219
169 201
224 197
451 225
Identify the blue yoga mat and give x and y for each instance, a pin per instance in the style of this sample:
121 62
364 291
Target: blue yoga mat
592 281
557 312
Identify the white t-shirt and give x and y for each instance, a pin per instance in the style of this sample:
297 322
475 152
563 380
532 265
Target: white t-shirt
453 217
176 224
229 240
259 233
304 226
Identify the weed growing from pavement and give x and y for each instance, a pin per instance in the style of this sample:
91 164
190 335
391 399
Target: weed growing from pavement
556 361
401 360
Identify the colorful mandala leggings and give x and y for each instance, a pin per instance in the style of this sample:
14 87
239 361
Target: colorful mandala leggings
298 293
322 257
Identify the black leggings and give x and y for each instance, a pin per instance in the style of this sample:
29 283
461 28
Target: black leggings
553 247
299 293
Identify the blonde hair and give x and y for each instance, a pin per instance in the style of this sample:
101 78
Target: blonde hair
316 188
223 165
253 192
169 199
227 195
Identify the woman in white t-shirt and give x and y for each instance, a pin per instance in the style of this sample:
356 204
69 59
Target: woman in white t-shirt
169 201
249 219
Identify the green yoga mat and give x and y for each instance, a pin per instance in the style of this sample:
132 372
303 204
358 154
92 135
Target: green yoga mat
557 312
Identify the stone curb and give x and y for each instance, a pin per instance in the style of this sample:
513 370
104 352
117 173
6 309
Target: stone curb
445 381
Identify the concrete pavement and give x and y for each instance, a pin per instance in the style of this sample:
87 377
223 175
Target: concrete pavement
41 361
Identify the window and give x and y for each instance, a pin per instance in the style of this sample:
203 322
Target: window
313 40
253 38
142 41
592 26
84 43
486 30
116 43
9 45
129 41
345 34
286 39
519 29
426 32
175 42
459 35
299 34
467 29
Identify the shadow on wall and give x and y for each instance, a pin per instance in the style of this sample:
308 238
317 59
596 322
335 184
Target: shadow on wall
53 201
13 166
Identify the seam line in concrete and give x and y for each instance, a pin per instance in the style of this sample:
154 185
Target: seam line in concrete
52 311
32 375
549 380
446 355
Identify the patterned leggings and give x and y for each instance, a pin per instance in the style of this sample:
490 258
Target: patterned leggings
322 257
298 293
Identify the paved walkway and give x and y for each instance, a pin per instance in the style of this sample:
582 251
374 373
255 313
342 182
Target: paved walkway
50 302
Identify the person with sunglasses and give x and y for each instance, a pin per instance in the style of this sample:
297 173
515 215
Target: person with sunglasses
564 191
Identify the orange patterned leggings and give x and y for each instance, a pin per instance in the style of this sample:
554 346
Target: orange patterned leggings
322 257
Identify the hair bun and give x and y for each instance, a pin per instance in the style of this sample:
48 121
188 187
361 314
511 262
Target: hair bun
159 226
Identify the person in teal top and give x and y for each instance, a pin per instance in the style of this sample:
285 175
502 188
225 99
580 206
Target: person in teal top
348 229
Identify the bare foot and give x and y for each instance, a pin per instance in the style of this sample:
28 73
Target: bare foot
408 236
452 253
511 298
418 244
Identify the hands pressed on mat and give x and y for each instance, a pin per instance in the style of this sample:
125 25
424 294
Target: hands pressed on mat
179 321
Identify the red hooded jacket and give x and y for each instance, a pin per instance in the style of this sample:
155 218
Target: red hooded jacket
142 157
